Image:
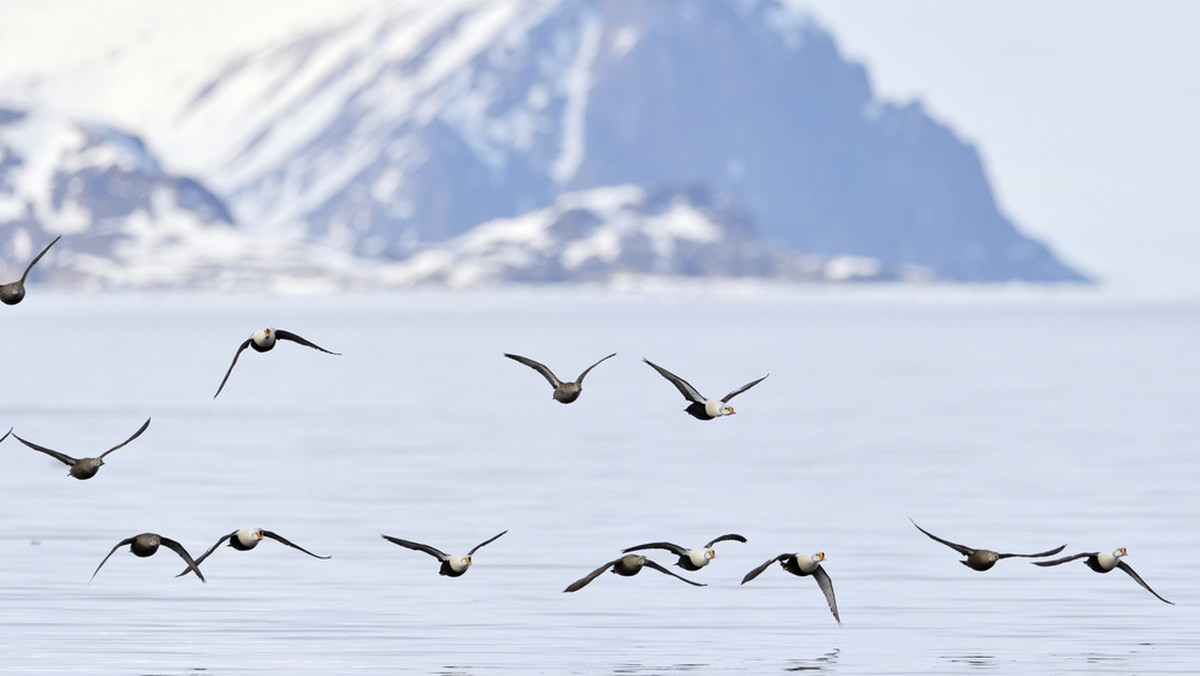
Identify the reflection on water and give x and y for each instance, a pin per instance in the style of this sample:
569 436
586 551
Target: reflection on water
660 669
823 663
974 661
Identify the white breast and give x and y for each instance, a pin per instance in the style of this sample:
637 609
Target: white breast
248 537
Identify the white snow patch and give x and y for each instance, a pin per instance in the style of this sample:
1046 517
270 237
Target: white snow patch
846 268
578 81
684 221
604 244
624 40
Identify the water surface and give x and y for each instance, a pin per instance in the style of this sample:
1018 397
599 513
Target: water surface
1014 420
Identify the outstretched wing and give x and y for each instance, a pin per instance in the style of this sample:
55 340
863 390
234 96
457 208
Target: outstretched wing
659 568
758 571
537 366
62 457
826 586
1137 578
432 551
669 546
743 388
961 549
6 434
579 380
122 543
583 581
1055 562
1048 552
178 549
206 554
38 258
280 538
728 536
685 388
241 348
135 436
476 547
288 335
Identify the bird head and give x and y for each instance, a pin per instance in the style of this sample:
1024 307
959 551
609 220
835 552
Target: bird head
263 337
249 537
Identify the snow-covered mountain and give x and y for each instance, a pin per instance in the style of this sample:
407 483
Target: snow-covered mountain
385 129
126 221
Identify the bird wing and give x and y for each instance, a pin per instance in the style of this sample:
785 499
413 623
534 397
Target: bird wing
1137 578
728 536
826 586
38 258
961 549
669 546
537 366
178 549
661 569
1055 562
685 388
122 543
6 434
205 555
63 457
1048 552
579 380
135 436
758 571
583 581
743 388
241 348
476 547
432 551
279 538
280 334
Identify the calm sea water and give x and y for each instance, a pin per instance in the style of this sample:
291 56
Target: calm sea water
1015 420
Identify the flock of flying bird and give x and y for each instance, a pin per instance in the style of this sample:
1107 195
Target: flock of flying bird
455 565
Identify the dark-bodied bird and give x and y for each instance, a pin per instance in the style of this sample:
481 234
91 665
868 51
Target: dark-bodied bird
262 341
83 468
13 292
453 565
147 544
701 407
627 566
983 559
1103 562
803 565
689 559
245 539
564 393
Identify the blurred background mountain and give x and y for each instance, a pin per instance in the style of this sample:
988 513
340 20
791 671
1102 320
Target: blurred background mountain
475 142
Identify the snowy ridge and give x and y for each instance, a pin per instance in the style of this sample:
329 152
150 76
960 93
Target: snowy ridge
612 234
126 222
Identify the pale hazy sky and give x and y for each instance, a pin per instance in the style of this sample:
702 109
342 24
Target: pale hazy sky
1086 114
